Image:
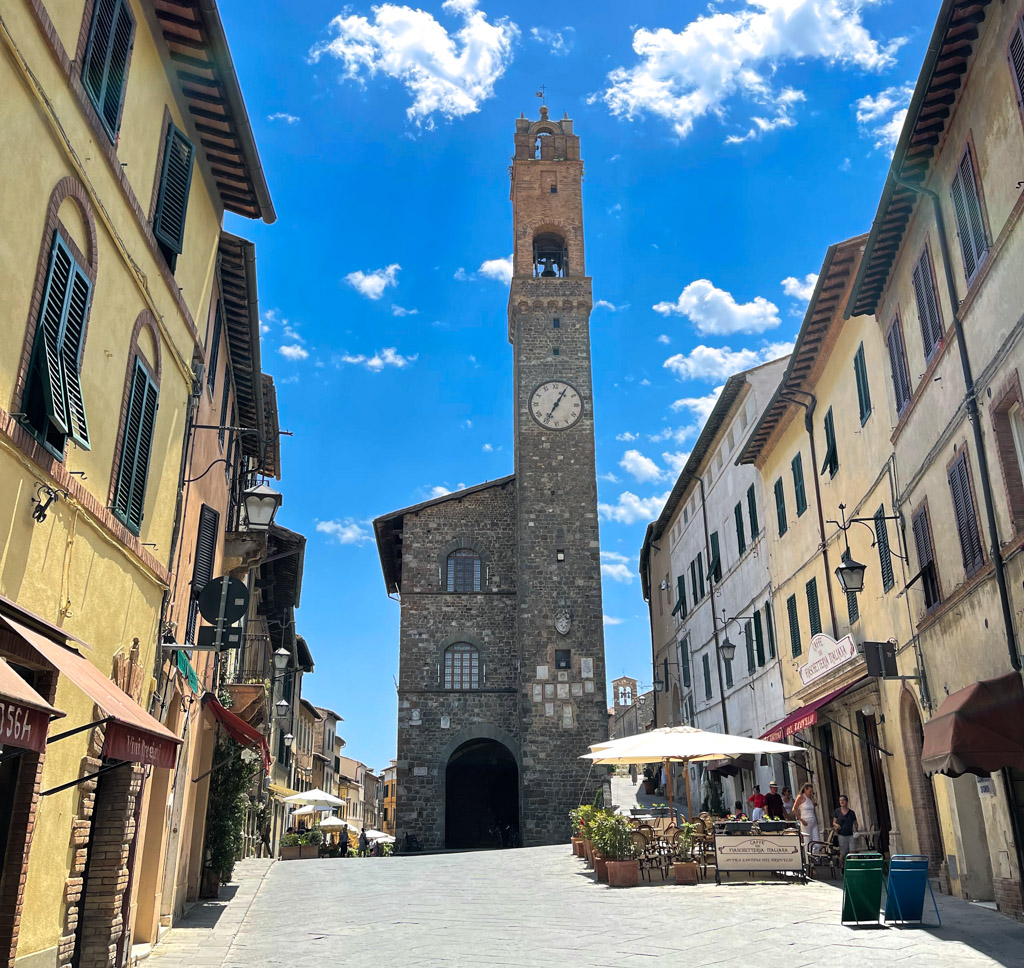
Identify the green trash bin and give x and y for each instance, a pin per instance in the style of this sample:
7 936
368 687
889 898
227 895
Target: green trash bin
862 887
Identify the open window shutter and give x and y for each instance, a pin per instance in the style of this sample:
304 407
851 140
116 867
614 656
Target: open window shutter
214 351
106 59
681 594
963 226
206 547
831 462
921 540
794 626
884 555
95 70
71 354
770 629
693 581
56 295
973 200
706 663
798 484
752 510
175 180
927 307
900 383
966 520
860 370
715 565
748 641
700 574
813 610
1016 55
684 654
758 638
741 541
136 448
780 506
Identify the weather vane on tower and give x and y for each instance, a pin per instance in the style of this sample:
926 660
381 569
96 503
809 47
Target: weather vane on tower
541 93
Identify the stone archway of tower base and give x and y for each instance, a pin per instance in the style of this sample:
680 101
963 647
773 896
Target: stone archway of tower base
480 731
926 817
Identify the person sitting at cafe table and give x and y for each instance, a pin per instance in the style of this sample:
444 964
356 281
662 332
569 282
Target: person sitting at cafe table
844 823
773 808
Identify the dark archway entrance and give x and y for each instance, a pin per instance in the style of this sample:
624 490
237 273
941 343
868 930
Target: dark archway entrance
481 795
926 817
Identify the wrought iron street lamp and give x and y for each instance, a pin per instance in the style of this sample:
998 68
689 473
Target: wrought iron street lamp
261 504
289 738
282 706
281 657
851 572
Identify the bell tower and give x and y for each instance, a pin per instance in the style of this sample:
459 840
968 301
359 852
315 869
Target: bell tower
559 622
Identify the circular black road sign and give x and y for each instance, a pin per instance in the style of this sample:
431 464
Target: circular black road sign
223 600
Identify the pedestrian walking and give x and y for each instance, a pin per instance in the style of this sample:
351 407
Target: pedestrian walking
363 842
632 773
804 808
787 803
844 823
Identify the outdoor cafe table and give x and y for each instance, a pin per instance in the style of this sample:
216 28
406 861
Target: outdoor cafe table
774 846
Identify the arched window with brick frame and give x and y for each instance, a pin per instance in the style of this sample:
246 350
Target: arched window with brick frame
464 571
461 666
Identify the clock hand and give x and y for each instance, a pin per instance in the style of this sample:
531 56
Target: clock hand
556 403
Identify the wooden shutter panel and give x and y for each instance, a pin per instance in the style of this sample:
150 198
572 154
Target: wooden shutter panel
693 582
800 492
700 574
967 206
860 371
95 69
715 565
681 594
684 654
214 351
900 382
136 447
927 305
852 608
769 625
813 610
1016 56
748 641
106 60
758 638
794 626
175 180
71 355
56 295
206 547
741 541
966 519
884 554
707 675
752 510
831 462
780 506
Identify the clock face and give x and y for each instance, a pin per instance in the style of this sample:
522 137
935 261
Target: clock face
556 405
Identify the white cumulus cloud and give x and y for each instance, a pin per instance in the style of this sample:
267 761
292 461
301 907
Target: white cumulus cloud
881 116
344 531
801 289
726 56
609 620
626 436
372 284
617 567
642 468
676 461
498 269
450 74
559 42
293 352
713 310
629 508
665 339
719 363
285 117
386 357
397 310
700 407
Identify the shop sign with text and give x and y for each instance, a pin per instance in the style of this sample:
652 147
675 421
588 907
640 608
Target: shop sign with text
826 654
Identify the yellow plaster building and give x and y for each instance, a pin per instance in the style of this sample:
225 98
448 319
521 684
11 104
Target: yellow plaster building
111 234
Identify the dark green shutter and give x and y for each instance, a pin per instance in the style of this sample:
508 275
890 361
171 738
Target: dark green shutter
693 582
225 399
104 71
769 624
715 565
752 511
1015 53
206 547
741 539
130 491
969 222
860 371
780 506
966 519
831 462
681 594
175 180
898 365
700 573
758 638
727 663
884 555
214 351
813 611
926 558
852 608
684 654
927 305
799 492
748 641
705 662
794 626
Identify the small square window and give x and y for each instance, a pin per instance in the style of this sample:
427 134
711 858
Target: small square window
555 323
563 658
554 351
560 554
554 189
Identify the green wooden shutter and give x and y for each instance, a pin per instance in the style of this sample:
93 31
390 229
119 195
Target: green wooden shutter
715 565
206 547
741 539
748 641
727 664
758 638
769 624
966 519
752 511
800 493
1015 53
831 462
794 626
860 371
852 607
898 364
884 554
705 662
813 611
71 345
780 506
214 349
927 305
175 180
680 595
130 490
104 71
700 573
684 655
693 582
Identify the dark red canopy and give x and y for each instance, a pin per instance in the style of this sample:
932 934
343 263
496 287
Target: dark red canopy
238 729
977 730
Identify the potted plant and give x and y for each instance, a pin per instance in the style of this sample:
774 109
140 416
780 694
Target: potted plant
613 836
685 867
577 837
309 844
587 816
225 814
291 848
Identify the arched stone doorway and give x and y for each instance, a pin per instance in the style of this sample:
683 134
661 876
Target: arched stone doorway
481 795
926 816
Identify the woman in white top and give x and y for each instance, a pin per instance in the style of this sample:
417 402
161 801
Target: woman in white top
804 809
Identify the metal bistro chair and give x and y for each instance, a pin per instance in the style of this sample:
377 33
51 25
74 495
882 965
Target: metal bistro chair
704 842
646 857
823 853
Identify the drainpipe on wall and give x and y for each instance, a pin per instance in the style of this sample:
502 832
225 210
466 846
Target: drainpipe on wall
714 614
971 402
809 409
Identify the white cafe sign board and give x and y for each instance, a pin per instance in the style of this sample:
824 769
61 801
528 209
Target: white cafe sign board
824 655
764 853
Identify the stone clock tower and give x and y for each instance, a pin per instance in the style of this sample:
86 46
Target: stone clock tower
559 618
501 684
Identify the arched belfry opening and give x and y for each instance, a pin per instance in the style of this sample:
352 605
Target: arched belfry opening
550 256
481 796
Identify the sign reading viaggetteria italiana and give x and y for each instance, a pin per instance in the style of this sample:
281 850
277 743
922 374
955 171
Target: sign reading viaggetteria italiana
824 655
764 853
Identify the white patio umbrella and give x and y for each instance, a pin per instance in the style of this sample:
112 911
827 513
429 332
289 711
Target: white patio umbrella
306 811
332 823
316 798
682 744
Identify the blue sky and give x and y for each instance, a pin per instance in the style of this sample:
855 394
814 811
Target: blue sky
727 144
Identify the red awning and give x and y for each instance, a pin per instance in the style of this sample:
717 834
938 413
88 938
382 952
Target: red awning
238 729
24 714
131 733
977 730
803 717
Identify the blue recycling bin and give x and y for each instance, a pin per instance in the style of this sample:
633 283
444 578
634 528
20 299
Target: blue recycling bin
906 887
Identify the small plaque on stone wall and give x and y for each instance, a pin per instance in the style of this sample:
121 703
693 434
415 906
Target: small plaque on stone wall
415 718
549 709
566 716
577 688
563 676
588 686
542 672
549 690
538 692
446 722
587 668
419 771
563 690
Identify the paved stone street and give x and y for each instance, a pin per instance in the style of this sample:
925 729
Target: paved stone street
539 907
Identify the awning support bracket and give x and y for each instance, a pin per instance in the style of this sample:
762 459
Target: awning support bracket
866 742
55 737
831 756
88 776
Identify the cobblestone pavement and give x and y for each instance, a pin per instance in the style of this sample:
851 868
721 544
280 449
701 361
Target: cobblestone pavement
539 907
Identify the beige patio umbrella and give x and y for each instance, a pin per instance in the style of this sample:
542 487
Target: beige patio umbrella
315 798
681 744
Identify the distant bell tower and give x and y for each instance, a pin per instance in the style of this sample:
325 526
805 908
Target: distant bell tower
559 622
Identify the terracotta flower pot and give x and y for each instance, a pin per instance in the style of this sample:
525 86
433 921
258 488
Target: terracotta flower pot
600 867
576 846
588 851
686 872
292 852
623 873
